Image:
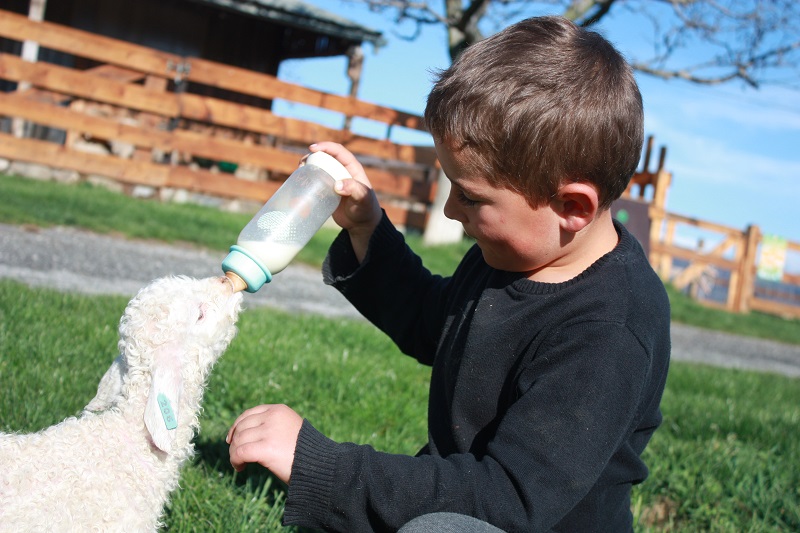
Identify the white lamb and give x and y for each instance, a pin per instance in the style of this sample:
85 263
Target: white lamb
113 468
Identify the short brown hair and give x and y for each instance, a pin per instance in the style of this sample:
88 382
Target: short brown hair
540 103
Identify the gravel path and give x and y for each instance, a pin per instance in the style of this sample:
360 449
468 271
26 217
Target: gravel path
70 259
74 260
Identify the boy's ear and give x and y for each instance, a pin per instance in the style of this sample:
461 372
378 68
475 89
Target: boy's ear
576 205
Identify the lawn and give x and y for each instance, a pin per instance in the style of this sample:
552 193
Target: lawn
725 458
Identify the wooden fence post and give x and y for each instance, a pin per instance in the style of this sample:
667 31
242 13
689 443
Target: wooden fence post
747 270
664 263
29 52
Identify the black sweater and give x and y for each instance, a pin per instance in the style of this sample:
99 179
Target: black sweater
542 397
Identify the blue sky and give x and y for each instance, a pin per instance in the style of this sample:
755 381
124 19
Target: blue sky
734 153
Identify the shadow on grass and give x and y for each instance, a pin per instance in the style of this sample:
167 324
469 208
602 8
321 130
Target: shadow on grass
254 480
214 454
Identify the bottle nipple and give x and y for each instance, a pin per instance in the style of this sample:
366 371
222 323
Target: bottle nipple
238 283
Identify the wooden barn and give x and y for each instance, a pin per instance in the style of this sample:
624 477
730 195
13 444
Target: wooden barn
251 34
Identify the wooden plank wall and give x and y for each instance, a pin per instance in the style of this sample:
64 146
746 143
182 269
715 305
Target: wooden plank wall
134 98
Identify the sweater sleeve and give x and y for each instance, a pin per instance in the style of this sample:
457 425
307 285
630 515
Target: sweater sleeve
576 407
391 288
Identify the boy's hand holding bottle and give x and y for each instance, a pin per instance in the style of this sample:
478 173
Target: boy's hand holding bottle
359 213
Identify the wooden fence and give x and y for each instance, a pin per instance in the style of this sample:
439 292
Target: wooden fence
720 265
151 112
144 117
717 265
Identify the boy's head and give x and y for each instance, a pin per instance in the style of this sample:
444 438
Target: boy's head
539 104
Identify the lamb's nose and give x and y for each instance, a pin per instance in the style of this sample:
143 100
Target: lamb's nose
226 282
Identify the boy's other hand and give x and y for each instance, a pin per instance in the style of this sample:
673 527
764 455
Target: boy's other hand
266 435
359 212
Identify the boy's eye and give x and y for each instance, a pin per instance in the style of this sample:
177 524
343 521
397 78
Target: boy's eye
465 200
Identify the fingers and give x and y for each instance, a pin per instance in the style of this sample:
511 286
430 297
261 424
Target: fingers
360 211
247 437
266 435
246 414
360 207
345 157
248 446
353 188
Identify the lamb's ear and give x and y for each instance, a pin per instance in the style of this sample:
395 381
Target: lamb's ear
161 411
109 389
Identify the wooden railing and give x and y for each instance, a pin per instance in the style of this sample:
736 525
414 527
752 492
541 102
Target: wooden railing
138 106
718 265
140 103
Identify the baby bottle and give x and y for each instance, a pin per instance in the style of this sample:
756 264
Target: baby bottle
286 223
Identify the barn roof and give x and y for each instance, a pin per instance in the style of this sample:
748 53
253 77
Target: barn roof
302 15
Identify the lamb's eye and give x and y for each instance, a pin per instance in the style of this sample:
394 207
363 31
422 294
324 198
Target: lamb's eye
201 314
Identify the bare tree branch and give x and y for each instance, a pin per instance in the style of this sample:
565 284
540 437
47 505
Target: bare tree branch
578 11
700 41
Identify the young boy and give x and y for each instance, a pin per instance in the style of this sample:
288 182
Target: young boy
550 342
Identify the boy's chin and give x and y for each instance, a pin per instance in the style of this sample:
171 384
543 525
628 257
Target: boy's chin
492 260
503 264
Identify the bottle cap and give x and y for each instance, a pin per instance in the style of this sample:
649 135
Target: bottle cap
246 266
329 164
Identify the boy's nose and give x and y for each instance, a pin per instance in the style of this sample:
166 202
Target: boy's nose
452 210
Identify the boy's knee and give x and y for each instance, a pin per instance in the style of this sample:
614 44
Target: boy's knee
447 523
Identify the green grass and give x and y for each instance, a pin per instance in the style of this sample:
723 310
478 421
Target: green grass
754 324
94 208
46 203
343 375
725 458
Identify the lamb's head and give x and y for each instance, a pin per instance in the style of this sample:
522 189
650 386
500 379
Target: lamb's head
197 315
171 334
